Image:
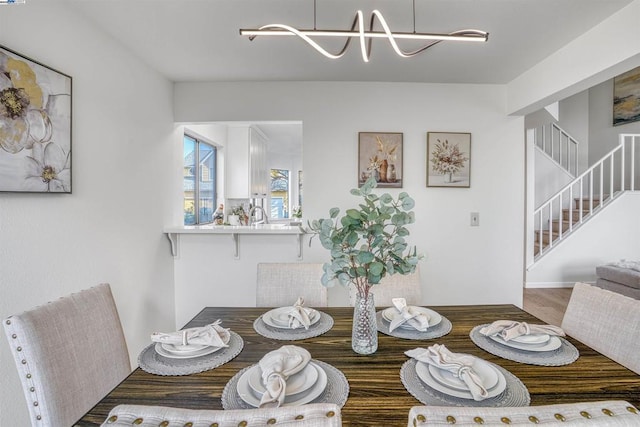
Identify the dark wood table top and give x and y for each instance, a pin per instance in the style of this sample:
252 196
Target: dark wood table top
377 396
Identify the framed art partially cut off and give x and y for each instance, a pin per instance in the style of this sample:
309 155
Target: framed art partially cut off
626 97
380 156
35 126
448 159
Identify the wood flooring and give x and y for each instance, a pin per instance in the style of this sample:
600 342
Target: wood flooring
547 304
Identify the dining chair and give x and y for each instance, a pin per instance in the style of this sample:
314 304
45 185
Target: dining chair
606 321
310 415
280 284
69 353
604 413
397 285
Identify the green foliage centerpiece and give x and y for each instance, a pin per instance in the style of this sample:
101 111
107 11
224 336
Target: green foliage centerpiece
367 244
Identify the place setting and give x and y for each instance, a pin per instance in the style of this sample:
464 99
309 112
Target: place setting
294 322
411 322
437 376
287 376
191 350
522 342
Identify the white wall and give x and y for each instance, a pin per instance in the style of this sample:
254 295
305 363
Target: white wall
110 228
332 115
597 242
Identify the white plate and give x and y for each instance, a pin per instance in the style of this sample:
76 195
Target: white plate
553 344
422 370
532 338
183 349
297 383
186 355
484 370
279 318
249 396
390 313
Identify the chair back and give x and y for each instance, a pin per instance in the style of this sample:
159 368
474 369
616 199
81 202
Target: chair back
69 353
397 285
280 284
311 415
605 413
606 321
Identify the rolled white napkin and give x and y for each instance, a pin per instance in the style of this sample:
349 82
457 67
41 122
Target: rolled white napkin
460 365
510 329
205 335
409 315
299 315
277 366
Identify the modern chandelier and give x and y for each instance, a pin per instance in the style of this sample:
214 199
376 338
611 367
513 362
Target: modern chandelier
366 37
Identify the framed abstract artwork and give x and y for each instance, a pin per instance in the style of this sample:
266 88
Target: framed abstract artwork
380 156
626 97
35 126
448 159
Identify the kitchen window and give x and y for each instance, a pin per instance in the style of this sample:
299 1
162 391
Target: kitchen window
279 193
199 181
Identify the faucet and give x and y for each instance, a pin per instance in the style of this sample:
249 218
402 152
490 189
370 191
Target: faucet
264 214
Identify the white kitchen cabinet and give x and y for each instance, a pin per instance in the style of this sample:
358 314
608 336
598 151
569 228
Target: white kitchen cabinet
246 163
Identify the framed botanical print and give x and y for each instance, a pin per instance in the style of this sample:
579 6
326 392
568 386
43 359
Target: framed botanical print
35 126
448 159
380 156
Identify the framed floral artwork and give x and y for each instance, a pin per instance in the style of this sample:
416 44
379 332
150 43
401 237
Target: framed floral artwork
35 126
626 97
380 156
448 159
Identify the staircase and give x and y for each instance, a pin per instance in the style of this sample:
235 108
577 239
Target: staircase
585 196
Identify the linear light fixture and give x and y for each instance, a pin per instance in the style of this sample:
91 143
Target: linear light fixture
3 2
365 37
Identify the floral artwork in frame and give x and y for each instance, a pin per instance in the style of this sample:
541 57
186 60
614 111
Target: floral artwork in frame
35 126
380 156
448 159
626 97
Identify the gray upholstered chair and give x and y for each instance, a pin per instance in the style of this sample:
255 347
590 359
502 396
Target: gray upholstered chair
70 353
394 286
311 415
280 284
606 321
605 413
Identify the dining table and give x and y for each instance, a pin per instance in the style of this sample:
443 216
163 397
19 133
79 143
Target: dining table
377 396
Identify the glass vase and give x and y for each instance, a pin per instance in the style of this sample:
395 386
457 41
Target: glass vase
364 335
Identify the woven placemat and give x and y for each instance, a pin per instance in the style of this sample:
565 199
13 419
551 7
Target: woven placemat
564 355
337 390
515 394
436 331
150 361
320 327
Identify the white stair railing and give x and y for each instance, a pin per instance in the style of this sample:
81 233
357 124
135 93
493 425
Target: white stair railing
587 194
559 145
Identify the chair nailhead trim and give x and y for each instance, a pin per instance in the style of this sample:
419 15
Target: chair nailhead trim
214 425
8 322
35 403
478 420
451 419
560 417
38 417
533 419
19 348
14 336
505 420
138 421
421 418
242 424
632 409
608 412
29 376
32 389
24 362
164 423
112 419
189 424
299 417
585 414
331 414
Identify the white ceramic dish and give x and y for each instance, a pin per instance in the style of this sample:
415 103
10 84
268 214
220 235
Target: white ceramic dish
553 344
185 355
252 398
297 383
484 370
422 370
279 318
390 313
532 339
